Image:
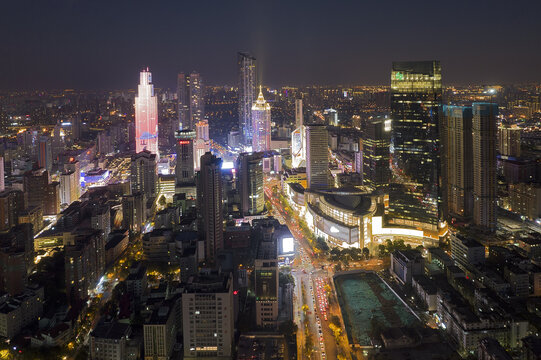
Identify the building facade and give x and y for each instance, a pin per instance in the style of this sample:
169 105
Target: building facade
261 124
247 94
317 157
416 95
146 115
485 194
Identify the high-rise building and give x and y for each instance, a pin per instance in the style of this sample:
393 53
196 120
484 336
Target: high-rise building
68 187
143 173
509 138
457 161
298 148
209 204
261 124
208 317
35 183
250 172
376 155
266 283
485 194
45 155
247 93
191 102
2 181
184 169
299 116
416 96
331 117
74 166
133 212
317 156
160 331
146 115
202 130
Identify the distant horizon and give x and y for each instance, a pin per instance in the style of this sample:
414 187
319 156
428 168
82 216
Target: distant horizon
102 45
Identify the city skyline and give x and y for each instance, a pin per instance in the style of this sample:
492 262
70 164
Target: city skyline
353 47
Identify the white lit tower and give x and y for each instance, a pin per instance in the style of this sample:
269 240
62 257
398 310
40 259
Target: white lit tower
261 124
146 115
298 138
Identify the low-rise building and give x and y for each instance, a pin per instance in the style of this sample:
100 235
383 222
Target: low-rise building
17 312
108 341
405 264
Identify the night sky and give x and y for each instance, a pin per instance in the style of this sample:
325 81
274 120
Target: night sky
95 44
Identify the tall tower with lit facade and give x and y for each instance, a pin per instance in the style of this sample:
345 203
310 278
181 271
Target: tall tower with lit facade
485 190
261 124
317 157
184 169
209 204
146 115
376 155
191 104
457 161
416 96
247 90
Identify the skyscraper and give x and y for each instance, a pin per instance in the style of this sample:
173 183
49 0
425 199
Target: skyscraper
247 82
191 102
457 161
509 139
376 155
184 169
261 124
209 204
250 168
416 95
146 115
2 186
485 194
45 155
143 174
317 156
202 130
299 116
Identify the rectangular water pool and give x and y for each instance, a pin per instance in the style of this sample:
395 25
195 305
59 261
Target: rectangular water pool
363 296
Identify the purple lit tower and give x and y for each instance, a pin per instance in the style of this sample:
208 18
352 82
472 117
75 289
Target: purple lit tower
261 124
146 115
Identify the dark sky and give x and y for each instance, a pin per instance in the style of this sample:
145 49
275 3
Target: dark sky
97 44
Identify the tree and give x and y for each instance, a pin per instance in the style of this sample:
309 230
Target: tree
321 244
381 250
366 253
335 320
289 330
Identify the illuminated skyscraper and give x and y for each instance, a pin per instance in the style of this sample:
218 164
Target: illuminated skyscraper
184 169
317 157
191 102
485 191
457 161
299 116
252 198
202 130
2 186
416 95
209 204
261 124
45 155
146 115
376 155
247 91
509 138
143 174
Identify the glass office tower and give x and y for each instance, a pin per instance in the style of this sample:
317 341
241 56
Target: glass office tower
416 96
